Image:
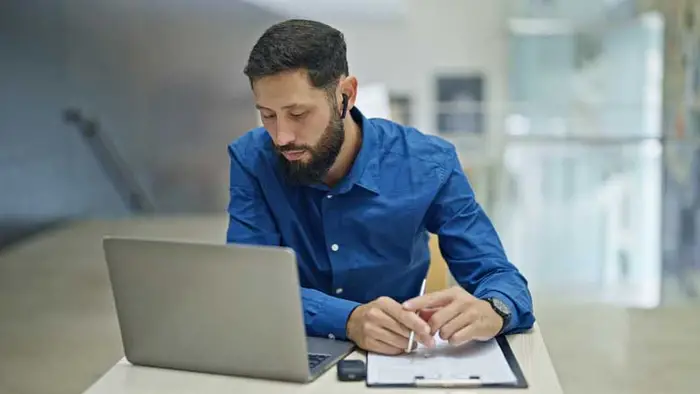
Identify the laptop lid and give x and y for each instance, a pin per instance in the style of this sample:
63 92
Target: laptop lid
225 309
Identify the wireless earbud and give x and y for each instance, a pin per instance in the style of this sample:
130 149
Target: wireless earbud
345 106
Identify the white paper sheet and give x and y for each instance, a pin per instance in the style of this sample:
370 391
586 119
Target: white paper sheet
484 360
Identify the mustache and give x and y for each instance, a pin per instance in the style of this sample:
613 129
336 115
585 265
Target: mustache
291 147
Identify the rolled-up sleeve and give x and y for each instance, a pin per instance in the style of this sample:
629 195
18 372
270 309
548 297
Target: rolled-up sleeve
472 248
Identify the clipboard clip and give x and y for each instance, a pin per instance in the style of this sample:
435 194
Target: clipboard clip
472 381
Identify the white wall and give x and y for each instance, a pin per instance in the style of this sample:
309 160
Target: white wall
164 80
438 36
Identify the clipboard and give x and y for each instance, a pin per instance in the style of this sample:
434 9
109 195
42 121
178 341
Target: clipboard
463 382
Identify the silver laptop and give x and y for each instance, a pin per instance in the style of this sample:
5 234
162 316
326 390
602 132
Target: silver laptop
221 309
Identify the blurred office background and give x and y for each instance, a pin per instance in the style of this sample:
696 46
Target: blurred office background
577 120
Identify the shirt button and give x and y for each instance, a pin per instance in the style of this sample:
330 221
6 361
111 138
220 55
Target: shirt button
334 247
331 336
338 290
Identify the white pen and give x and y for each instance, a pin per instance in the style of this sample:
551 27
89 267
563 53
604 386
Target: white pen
413 333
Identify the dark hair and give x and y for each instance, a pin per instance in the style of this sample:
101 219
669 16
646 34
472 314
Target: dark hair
298 44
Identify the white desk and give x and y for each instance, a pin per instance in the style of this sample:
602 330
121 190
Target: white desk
124 378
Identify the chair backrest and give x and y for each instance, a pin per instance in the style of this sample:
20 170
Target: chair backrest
438 274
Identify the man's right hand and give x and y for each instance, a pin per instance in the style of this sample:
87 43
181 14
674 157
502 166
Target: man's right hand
383 326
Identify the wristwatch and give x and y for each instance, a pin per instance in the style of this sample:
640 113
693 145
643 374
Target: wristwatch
501 309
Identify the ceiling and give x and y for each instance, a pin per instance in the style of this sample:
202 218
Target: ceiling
572 11
356 10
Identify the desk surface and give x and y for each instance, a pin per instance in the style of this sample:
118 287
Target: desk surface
124 378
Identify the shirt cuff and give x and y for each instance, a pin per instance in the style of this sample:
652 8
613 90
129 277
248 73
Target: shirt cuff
511 307
333 323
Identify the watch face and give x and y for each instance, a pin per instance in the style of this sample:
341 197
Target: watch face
503 308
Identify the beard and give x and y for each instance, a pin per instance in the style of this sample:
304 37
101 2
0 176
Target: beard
323 155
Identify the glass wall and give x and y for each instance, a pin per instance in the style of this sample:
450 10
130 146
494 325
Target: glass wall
579 191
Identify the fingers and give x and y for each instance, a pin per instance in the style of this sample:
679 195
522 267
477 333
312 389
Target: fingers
426 314
387 337
373 330
431 300
462 320
380 318
464 335
408 319
444 315
426 339
382 332
377 346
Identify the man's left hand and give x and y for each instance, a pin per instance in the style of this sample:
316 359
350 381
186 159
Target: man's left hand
457 315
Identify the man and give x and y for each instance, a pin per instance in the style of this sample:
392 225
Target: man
355 198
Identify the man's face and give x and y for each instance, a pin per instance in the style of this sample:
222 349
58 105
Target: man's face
304 123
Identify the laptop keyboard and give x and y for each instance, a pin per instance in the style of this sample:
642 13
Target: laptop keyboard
316 359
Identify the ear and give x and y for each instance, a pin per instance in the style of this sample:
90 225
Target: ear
348 87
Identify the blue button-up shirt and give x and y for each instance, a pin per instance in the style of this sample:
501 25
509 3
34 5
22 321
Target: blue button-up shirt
367 236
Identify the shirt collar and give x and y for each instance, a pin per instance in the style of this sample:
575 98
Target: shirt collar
365 169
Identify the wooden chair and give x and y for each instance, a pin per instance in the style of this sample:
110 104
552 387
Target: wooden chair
438 273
